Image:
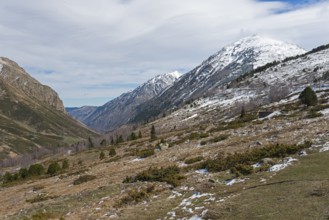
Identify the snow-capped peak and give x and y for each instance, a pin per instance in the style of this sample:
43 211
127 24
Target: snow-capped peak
255 49
174 74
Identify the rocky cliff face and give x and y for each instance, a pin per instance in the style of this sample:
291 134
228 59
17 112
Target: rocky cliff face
32 116
16 76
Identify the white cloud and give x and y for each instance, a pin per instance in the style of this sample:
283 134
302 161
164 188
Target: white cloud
89 45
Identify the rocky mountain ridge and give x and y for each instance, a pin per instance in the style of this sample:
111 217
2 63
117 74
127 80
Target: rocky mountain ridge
32 116
118 111
17 77
218 70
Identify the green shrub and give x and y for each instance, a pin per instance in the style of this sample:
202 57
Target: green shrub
194 160
197 135
170 175
314 114
7 178
244 169
36 170
219 138
23 173
53 168
65 165
112 152
145 153
222 163
83 179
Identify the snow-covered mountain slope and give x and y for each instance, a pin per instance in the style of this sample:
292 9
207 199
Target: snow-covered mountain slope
283 81
220 69
118 111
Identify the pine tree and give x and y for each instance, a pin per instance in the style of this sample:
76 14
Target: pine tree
120 139
112 152
140 134
243 112
90 142
133 136
101 155
153 133
308 97
65 165
103 143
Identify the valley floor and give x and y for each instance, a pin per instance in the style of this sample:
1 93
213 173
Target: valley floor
294 188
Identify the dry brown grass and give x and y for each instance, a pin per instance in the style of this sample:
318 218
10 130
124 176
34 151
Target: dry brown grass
95 199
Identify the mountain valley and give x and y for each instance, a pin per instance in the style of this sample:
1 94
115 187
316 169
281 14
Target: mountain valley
231 139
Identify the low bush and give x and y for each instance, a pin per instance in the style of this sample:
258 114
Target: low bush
236 160
36 170
53 168
83 179
314 114
170 175
136 196
215 139
194 160
145 153
65 165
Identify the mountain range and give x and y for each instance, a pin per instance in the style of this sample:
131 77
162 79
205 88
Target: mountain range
119 111
220 69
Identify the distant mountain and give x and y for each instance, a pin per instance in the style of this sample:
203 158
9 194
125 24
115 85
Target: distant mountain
219 69
81 113
32 115
118 111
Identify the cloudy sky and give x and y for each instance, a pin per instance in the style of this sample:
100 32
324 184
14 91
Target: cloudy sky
92 51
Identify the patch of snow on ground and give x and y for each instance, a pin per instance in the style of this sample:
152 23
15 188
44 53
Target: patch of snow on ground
174 195
286 162
256 165
195 218
325 111
137 159
324 148
302 153
234 181
193 116
1 66
202 171
276 113
182 165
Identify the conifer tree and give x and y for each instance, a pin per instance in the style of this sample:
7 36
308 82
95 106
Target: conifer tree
153 133
308 97
101 155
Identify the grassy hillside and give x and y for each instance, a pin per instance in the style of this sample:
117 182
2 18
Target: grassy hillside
225 169
27 124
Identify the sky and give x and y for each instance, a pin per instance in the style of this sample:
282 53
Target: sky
92 51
